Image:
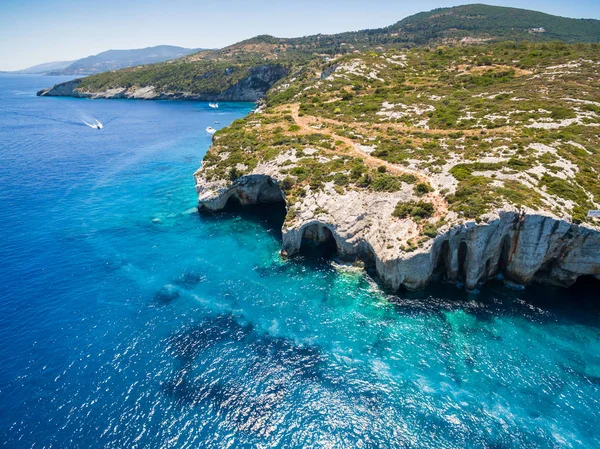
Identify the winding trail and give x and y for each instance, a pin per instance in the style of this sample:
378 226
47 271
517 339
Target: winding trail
304 122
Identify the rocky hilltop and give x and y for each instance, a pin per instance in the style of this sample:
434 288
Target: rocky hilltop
455 163
219 74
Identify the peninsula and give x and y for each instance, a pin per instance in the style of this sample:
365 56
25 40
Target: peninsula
460 144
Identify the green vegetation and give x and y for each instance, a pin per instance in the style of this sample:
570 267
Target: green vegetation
210 78
211 72
414 209
499 22
422 188
485 108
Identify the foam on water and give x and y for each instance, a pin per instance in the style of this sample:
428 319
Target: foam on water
129 320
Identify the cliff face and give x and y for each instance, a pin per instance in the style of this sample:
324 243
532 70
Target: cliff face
251 88
523 246
428 164
66 89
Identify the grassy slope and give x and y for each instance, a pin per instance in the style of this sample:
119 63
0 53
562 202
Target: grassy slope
498 22
481 126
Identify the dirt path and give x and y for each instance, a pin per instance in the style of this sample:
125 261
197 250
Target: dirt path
371 161
304 122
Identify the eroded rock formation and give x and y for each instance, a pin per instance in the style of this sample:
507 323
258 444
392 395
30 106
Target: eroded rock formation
523 246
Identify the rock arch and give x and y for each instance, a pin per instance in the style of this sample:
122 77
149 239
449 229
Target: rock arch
463 258
247 190
318 240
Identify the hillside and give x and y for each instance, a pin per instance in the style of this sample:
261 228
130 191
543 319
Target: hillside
46 67
495 23
110 60
208 74
430 149
492 149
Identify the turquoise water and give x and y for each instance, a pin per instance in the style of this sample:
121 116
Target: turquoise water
128 320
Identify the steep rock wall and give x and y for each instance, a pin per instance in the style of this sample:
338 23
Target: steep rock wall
523 247
247 190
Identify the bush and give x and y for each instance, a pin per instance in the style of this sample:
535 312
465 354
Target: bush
386 183
422 188
408 178
340 179
561 113
414 209
430 230
364 181
287 184
234 174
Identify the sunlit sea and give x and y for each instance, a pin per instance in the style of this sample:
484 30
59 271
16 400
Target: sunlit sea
128 320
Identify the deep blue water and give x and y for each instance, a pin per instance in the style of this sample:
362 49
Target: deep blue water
128 320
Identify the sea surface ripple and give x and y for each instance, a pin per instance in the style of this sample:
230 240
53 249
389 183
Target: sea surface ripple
127 320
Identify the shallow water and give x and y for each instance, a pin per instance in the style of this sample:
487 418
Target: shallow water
128 320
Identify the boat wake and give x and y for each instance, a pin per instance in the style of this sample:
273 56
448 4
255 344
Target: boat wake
95 124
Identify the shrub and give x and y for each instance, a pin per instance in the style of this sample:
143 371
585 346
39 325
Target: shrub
422 188
430 230
561 113
414 209
340 179
386 183
287 184
364 181
234 174
408 178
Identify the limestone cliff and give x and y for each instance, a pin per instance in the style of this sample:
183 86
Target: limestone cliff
523 246
428 164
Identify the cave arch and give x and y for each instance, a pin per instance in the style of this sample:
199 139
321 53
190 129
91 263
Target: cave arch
442 266
258 198
505 254
318 241
232 203
253 190
463 250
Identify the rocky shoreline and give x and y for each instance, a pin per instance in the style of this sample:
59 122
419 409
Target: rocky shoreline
522 246
248 89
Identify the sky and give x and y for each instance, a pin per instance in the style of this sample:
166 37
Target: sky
37 31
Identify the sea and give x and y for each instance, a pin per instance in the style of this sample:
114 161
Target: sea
129 320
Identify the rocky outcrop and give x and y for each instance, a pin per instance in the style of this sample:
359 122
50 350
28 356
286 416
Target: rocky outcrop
247 190
67 89
523 246
250 89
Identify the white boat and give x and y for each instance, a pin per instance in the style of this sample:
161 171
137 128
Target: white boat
95 125
214 105
210 130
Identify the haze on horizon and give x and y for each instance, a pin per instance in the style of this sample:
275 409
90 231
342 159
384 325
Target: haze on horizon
38 31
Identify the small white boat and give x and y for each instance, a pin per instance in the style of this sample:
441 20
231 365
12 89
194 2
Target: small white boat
95 125
214 105
210 130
